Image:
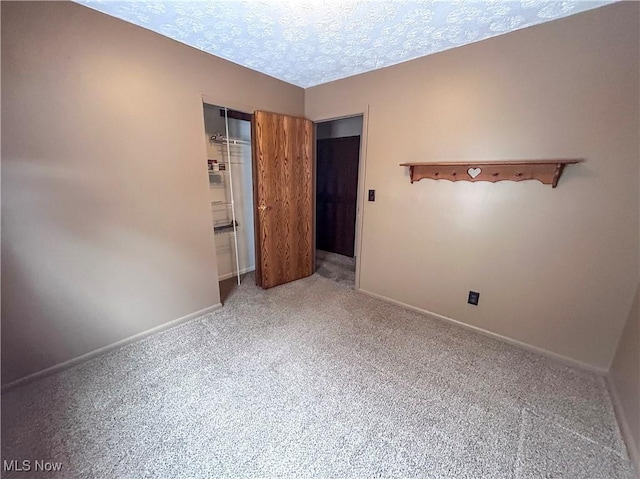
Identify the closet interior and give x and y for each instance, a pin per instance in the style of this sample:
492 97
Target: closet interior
228 139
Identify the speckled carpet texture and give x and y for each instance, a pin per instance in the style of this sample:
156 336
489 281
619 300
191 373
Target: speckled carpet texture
314 380
337 267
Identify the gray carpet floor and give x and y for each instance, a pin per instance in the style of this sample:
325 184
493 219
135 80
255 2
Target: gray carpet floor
336 267
313 379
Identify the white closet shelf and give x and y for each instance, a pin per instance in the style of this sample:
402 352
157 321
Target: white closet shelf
230 142
226 162
226 227
224 233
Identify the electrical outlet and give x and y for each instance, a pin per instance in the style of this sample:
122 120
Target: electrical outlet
474 297
372 195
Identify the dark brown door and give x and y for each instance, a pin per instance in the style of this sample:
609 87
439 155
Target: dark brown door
283 195
336 197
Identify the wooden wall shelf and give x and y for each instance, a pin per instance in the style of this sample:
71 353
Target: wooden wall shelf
547 172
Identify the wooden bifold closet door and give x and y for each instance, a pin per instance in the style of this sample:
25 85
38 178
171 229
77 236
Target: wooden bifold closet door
283 197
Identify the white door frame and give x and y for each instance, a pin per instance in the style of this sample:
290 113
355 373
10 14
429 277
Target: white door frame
364 112
232 105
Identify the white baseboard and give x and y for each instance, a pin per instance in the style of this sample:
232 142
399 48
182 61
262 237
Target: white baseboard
632 448
105 349
232 274
514 342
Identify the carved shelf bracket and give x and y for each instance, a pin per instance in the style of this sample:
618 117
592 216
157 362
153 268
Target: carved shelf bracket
547 172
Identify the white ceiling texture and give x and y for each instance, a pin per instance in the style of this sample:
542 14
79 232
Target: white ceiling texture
309 42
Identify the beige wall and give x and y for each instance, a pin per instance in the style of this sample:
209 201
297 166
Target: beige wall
556 268
625 380
106 220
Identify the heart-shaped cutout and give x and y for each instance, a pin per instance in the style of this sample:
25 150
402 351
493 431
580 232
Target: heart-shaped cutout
473 172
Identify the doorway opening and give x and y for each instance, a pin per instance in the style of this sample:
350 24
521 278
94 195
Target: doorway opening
229 163
338 146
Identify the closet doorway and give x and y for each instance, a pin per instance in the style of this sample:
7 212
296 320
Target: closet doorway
260 169
229 164
338 146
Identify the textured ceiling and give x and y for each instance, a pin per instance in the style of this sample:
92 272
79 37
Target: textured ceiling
308 42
